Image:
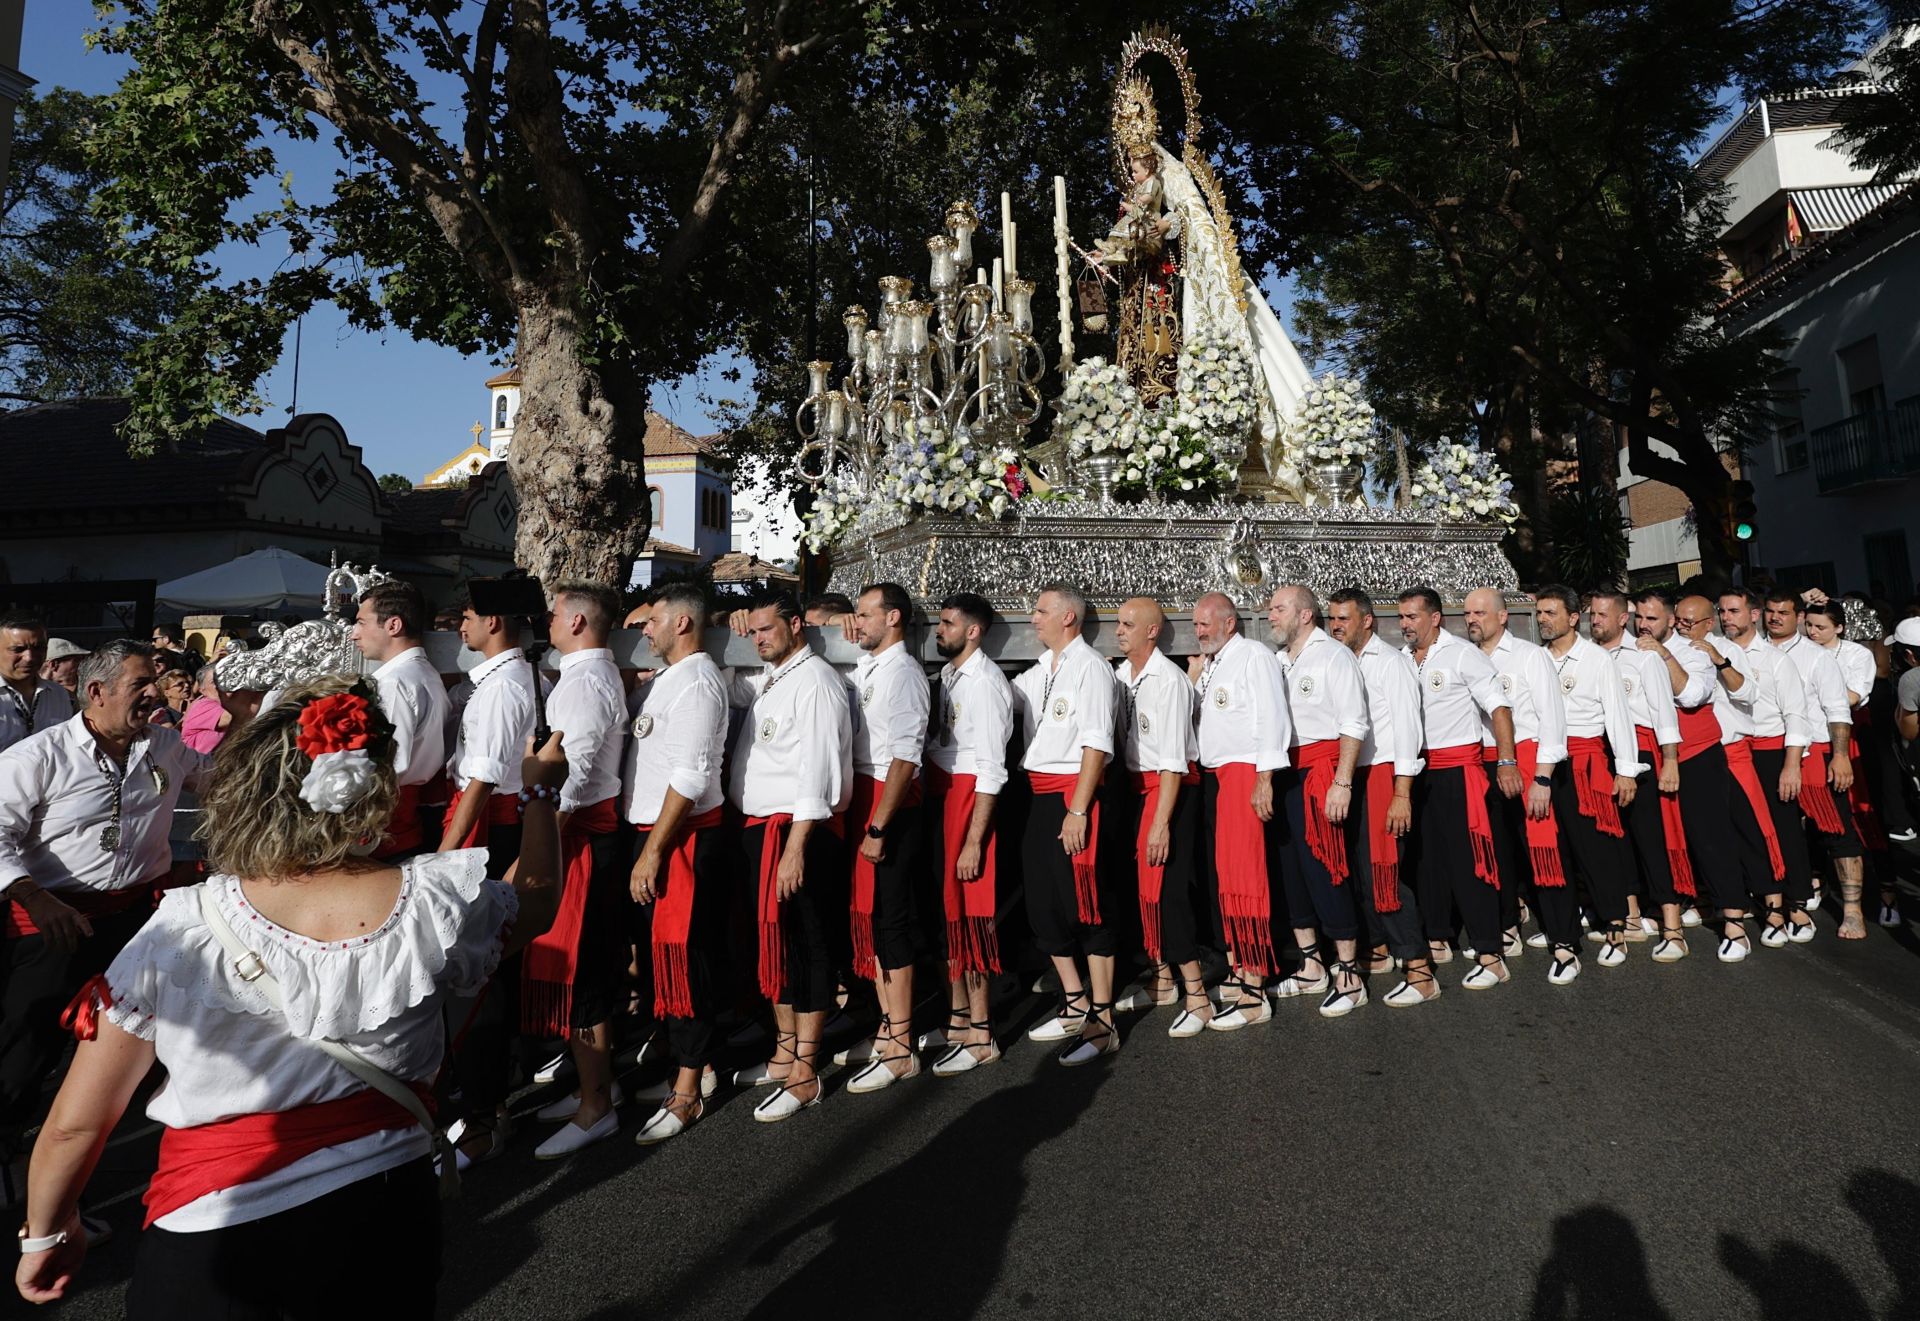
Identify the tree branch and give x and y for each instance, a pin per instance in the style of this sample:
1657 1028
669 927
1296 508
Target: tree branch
535 105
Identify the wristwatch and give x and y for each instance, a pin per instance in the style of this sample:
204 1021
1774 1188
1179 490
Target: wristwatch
1544 781
1723 664
875 832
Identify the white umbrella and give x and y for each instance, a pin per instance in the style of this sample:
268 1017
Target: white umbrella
270 579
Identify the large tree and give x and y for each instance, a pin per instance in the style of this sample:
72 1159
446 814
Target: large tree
70 313
615 191
1525 243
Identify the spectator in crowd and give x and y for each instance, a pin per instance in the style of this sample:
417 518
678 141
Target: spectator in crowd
63 666
176 694
207 718
170 650
28 703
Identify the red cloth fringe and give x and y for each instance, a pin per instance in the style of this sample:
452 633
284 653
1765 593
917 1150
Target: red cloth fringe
1816 795
973 941
1317 763
1086 891
673 919
1673 824
1466 758
1593 784
1383 848
1740 762
773 949
1240 862
548 968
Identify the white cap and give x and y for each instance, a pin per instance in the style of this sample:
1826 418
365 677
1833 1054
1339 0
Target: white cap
1907 633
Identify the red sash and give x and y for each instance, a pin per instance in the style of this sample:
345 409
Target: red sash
551 961
209 1158
1674 826
403 827
1816 795
502 810
1381 845
1543 835
1240 863
1086 892
866 800
1593 784
773 949
1865 818
88 903
673 919
973 942
1466 758
1147 784
1317 762
1740 762
1699 730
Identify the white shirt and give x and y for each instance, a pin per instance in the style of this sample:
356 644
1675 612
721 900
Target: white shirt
1065 701
1596 702
56 802
1857 666
1526 675
495 724
1243 707
1826 687
416 702
589 705
679 740
1649 690
1326 693
1733 710
1393 709
1457 684
794 753
1778 704
892 707
50 705
974 720
1156 715
229 1053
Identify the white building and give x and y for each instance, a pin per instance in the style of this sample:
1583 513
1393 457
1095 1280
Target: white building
503 412
1820 254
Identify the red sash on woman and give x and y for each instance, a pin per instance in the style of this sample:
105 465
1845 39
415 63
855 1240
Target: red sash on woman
973 943
548 968
1593 784
866 800
1866 818
1466 758
88 903
673 919
209 1158
501 810
1381 845
1543 833
1740 762
1317 763
773 949
1240 862
1086 891
1674 826
1147 784
403 827
1699 730
1816 795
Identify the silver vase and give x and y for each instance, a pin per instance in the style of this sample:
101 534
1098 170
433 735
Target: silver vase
1101 473
1338 483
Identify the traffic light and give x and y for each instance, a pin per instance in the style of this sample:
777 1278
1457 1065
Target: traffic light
1746 518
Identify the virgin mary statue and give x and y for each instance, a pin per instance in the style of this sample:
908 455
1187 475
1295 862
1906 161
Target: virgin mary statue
1216 297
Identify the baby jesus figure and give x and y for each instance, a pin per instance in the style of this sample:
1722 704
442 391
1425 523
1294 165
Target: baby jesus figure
1143 226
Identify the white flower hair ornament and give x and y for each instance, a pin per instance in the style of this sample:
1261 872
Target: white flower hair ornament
337 734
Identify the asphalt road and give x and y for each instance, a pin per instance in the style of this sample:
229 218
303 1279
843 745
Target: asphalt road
1694 1140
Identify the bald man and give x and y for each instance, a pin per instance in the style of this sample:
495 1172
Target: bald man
1526 834
1327 699
1158 800
1245 731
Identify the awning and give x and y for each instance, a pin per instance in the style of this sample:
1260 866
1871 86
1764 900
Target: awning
1823 210
270 580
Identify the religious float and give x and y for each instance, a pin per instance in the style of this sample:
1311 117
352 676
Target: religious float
1197 455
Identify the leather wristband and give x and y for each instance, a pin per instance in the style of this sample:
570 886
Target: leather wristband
41 1244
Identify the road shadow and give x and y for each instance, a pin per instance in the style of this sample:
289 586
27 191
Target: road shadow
1597 1271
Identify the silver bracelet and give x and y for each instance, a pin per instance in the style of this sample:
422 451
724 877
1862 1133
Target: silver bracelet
1071 812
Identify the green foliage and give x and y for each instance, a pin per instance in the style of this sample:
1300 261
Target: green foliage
395 483
1589 537
1883 126
71 313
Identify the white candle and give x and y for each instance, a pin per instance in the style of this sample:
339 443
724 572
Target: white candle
998 276
1064 281
1013 249
979 275
1006 221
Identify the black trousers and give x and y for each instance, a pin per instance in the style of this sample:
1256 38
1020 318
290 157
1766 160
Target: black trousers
1053 909
1768 763
896 878
1723 837
37 980
716 856
1509 819
1399 931
1312 897
1647 836
1444 854
1180 906
485 1030
600 975
813 922
372 1246
1604 861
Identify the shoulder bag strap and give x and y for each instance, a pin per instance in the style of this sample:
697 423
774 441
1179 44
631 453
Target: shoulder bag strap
250 969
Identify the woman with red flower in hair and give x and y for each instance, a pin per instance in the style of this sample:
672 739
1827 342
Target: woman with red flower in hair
295 999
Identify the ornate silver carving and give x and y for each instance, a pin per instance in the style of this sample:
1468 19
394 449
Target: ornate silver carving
305 650
1176 553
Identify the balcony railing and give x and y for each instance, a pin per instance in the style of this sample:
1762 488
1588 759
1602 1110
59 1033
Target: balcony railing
1867 449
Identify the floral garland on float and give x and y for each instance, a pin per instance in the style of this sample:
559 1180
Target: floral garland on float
1335 431
1462 482
926 469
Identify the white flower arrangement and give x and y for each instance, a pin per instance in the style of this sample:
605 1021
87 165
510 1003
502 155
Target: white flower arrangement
1461 481
1333 424
1216 386
929 469
1181 457
837 506
1099 411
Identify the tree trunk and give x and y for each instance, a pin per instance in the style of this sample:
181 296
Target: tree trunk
578 456
1707 488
